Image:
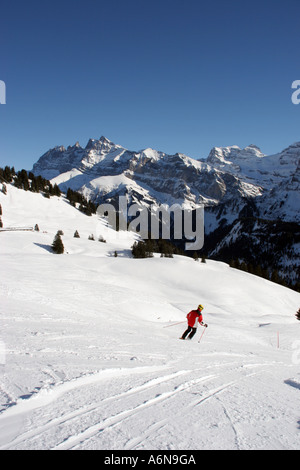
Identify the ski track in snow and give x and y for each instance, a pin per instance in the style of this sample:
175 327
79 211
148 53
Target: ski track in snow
43 399
39 403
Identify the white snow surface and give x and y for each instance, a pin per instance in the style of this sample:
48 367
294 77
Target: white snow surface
90 357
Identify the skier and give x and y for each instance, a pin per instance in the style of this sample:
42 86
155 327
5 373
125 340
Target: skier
193 318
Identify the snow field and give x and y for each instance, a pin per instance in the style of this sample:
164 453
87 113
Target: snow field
91 360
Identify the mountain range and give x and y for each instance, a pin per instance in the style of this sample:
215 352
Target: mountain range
247 195
103 170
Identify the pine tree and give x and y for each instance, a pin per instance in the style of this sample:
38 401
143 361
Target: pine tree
57 245
258 271
142 249
298 315
56 191
275 276
76 234
243 266
234 263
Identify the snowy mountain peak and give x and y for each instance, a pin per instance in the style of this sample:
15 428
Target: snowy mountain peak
104 140
75 146
60 148
102 145
255 150
152 154
292 153
234 153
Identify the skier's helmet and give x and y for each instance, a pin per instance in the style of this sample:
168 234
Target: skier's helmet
200 307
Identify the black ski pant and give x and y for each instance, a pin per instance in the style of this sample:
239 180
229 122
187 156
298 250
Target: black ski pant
190 330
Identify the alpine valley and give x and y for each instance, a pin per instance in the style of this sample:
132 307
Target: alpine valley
251 200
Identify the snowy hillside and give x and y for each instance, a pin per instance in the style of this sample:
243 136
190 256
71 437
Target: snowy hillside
236 186
90 356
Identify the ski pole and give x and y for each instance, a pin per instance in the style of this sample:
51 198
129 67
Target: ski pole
178 323
202 334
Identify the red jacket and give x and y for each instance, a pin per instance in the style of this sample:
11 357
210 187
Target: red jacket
193 318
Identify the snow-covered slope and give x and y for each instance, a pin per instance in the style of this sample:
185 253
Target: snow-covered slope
90 357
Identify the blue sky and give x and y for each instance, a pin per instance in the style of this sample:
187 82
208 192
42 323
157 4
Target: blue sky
177 76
